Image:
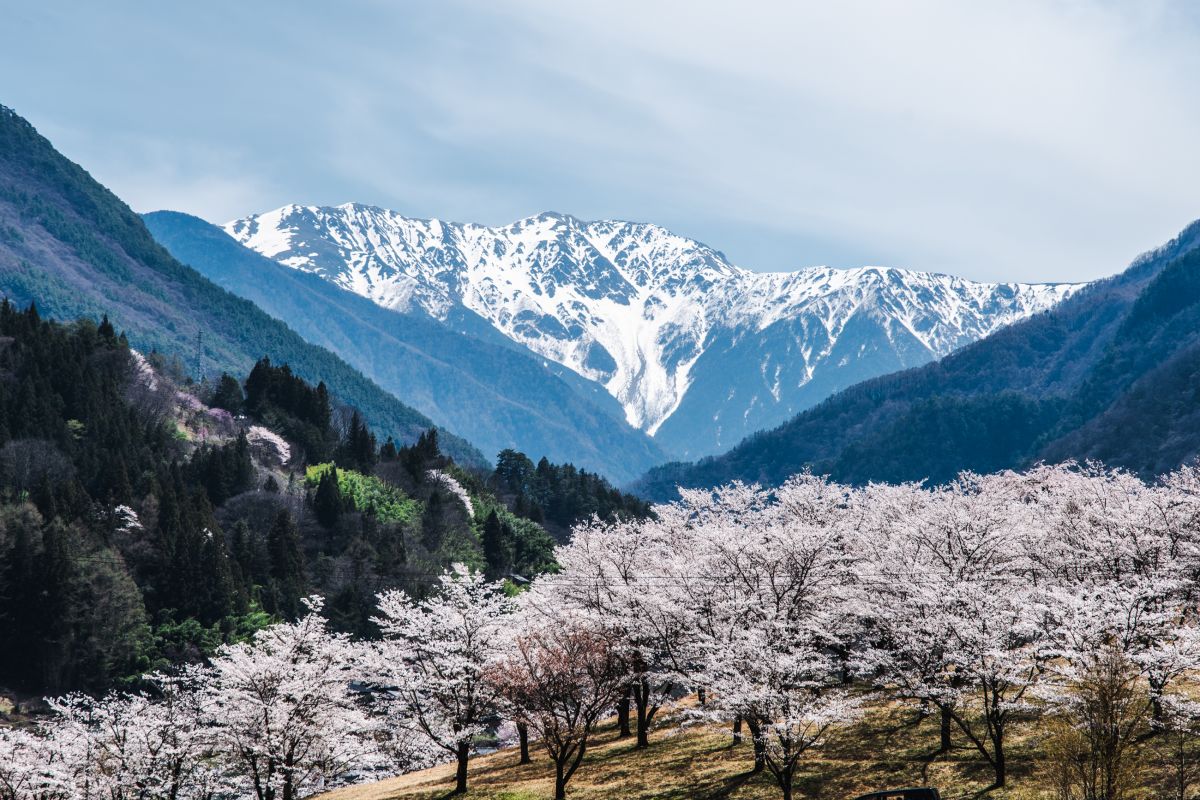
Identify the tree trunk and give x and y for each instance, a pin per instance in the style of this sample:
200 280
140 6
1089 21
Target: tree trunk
560 781
523 735
946 744
702 696
737 730
785 785
760 745
464 752
641 699
563 772
289 788
998 762
623 715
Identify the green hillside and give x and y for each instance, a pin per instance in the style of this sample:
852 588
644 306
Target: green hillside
72 246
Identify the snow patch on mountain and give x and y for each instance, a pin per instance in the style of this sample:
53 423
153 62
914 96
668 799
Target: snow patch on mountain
629 305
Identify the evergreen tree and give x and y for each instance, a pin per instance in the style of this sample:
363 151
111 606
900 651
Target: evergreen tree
327 502
119 489
422 455
242 561
106 330
358 451
224 470
514 473
288 585
497 548
428 444
432 531
228 394
216 594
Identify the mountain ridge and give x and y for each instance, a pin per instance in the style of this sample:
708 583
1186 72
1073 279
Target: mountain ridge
648 314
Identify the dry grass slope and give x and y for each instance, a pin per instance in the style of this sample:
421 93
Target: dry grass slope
888 749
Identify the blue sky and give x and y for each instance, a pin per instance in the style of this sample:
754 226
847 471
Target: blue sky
1013 140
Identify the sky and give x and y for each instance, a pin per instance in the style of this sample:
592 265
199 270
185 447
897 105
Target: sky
1039 141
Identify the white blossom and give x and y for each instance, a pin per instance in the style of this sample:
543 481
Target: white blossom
284 717
32 767
434 655
451 484
266 439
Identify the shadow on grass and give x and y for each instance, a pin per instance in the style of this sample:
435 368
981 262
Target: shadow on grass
889 749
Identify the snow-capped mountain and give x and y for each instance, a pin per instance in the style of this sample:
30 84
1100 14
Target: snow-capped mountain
698 352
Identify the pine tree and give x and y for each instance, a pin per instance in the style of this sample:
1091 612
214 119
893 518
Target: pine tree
215 593
430 446
242 466
327 502
497 548
287 567
241 553
323 412
432 531
228 394
258 385
54 615
358 451
44 498
119 488
106 330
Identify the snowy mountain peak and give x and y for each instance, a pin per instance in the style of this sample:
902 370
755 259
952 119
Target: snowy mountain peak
649 314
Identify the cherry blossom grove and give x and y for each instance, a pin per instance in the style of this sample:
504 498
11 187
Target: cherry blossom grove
790 611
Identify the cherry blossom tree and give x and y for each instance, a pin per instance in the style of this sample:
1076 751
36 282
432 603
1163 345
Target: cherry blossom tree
906 652
283 717
950 602
134 746
786 689
1118 567
451 485
32 768
559 678
624 573
435 653
767 576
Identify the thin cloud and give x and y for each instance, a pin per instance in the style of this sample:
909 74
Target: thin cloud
1033 141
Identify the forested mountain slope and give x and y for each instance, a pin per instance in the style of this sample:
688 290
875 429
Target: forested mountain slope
496 396
1111 373
144 521
72 246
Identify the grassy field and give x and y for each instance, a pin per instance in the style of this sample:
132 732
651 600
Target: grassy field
890 748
